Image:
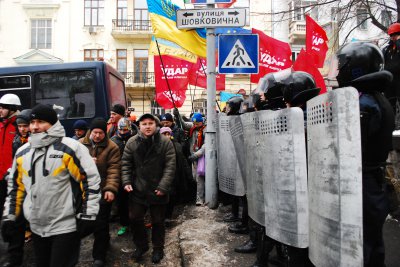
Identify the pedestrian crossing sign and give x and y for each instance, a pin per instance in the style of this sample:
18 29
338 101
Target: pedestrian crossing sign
238 53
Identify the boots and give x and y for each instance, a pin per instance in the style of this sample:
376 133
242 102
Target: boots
247 247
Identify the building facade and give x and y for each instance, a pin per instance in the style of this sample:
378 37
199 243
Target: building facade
119 32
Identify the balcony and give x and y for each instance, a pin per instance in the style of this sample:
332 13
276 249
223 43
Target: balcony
131 29
139 79
297 32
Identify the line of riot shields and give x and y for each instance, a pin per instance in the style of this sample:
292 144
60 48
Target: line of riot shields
302 179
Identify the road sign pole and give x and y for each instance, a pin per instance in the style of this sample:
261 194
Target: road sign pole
211 144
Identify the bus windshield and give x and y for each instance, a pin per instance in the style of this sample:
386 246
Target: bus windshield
70 93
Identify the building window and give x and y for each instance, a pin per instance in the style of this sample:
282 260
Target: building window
140 63
41 33
300 8
156 109
94 12
122 12
362 17
141 15
386 18
121 60
94 55
200 106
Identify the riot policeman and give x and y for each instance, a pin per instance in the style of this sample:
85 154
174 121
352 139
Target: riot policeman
361 66
270 98
233 105
299 87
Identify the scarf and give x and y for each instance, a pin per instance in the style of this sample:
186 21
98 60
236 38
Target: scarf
200 139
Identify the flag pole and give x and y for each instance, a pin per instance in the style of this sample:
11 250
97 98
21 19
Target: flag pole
165 74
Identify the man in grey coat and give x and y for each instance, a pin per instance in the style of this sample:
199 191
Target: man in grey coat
148 170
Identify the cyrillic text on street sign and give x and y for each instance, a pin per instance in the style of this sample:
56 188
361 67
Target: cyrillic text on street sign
210 18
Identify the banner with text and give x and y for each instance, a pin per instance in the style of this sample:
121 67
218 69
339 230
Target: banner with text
176 71
274 55
316 42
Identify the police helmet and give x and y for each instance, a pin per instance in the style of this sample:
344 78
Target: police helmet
356 60
233 105
299 88
10 101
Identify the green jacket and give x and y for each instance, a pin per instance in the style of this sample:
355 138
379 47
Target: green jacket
148 164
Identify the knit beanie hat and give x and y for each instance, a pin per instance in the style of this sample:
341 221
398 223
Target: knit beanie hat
119 109
165 130
24 117
44 113
80 125
99 123
197 117
167 117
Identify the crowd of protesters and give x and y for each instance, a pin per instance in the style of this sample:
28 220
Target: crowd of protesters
137 164
59 189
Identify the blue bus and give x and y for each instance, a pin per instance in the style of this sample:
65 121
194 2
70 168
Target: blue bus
81 90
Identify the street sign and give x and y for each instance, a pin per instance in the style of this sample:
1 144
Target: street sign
238 53
210 18
203 2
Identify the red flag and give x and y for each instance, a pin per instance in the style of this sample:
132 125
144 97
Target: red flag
274 56
177 71
226 5
198 77
302 63
316 42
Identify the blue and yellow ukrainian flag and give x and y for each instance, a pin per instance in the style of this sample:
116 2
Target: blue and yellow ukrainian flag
171 49
163 21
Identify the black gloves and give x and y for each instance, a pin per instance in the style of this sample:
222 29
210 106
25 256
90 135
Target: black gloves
7 230
85 227
192 158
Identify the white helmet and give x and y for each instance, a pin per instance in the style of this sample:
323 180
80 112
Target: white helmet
10 99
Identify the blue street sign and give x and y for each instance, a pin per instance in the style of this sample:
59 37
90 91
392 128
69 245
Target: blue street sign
238 53
210 1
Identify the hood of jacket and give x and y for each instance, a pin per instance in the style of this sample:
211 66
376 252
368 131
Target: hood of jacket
48 137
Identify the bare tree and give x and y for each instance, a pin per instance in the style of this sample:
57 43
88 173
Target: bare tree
351 13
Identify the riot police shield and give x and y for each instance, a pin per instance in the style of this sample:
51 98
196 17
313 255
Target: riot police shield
283 145
236 129
229 175
254 175
335 179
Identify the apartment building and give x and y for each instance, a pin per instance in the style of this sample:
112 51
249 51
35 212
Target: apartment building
119 32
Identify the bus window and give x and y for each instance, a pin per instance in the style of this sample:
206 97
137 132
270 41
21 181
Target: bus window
70 93
116 90
20 85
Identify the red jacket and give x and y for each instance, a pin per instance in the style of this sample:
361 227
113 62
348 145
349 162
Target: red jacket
8 130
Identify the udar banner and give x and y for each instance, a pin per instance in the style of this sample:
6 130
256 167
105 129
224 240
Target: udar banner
171 80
